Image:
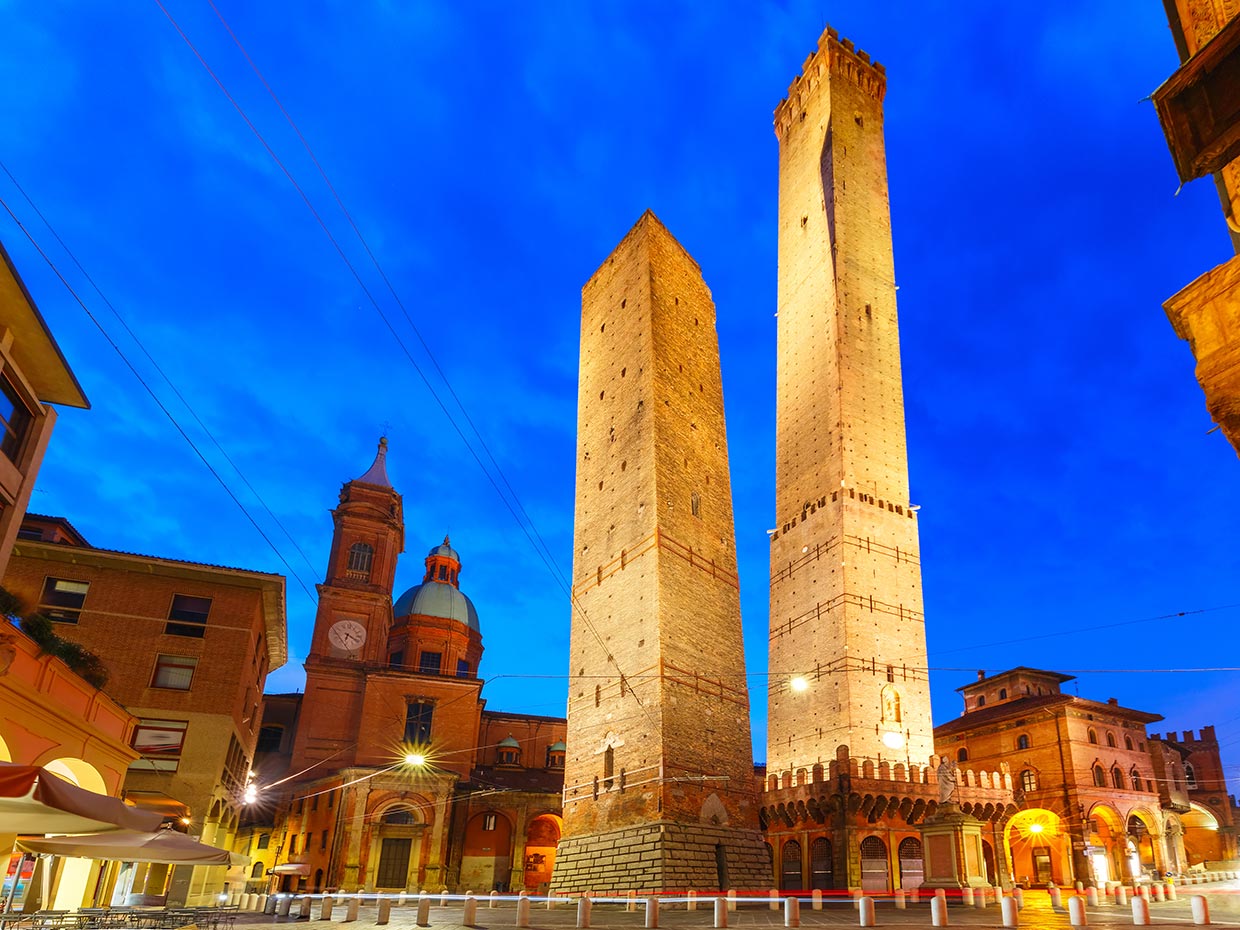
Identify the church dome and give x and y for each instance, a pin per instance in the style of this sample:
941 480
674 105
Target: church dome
445 551
437 599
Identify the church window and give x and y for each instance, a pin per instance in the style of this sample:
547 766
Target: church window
1093 736
489 821
962 755
1190 777
1110 739
62 599
462 668
188 616
1022 741
430 663
555 758
174 672
361 557
609 767
418 716
1100 777
399 816
508 755
1028 780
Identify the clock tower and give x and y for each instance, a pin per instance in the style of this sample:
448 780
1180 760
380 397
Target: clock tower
355 598
355 608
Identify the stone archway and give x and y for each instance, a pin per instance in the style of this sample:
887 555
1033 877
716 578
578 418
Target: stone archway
1141 858
1202 840
73 881
1038 848
541 837
396 847
1104 845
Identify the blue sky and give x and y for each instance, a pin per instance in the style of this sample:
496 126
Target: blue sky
493 155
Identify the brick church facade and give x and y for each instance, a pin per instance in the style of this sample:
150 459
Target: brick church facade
388 772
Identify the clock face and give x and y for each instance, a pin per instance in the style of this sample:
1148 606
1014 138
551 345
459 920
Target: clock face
347 635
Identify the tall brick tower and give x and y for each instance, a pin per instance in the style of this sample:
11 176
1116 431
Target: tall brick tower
658 787
846 610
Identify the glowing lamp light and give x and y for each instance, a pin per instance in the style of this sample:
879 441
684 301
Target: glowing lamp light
415 758
251 794
893 740
1035 828
799 684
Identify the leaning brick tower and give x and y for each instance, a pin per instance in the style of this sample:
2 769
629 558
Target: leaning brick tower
658 780
847 636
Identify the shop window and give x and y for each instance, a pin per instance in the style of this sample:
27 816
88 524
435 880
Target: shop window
188 616
430 663
62 599
15 420
159 742
175 673
418 716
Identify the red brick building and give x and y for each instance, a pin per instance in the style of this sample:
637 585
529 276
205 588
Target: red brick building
187 647
397 775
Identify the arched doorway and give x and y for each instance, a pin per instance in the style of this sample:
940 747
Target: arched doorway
821 865
398 837
540 840
1202 840
988 860
1038 848
790 866
75 875
486 861
1104 845
912 867
1140 846
875 872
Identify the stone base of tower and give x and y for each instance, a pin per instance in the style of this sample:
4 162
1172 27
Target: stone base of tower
664 857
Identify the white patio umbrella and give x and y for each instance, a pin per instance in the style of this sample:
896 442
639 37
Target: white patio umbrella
33 800
127 846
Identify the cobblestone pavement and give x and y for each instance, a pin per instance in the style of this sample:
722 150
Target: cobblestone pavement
1223 899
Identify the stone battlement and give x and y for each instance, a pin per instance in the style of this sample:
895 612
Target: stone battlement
1207 736
835 56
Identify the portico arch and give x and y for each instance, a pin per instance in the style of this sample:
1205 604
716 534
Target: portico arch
1104 844
1202 841
541 837
1140 847
1038 848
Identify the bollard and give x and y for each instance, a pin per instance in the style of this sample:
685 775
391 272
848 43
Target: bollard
267 903
1159 893
774 899
1009 909
731 901
583 911
1201 909
1140 911
551 901
722 906
325 907
1121 895
1056 897
692 904
424 911
470 917
1080 886
938 911
915 894
443 897
792 911
1076 911
494 899
1091 896
1019 894
966 896
1170 889
283 903
400 899
980 897
351 913
523 910
866 906
652 912
385 911
901 903
631 906
303 909
857 894
816 899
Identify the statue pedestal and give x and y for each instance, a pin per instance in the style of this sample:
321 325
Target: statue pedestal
951 843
